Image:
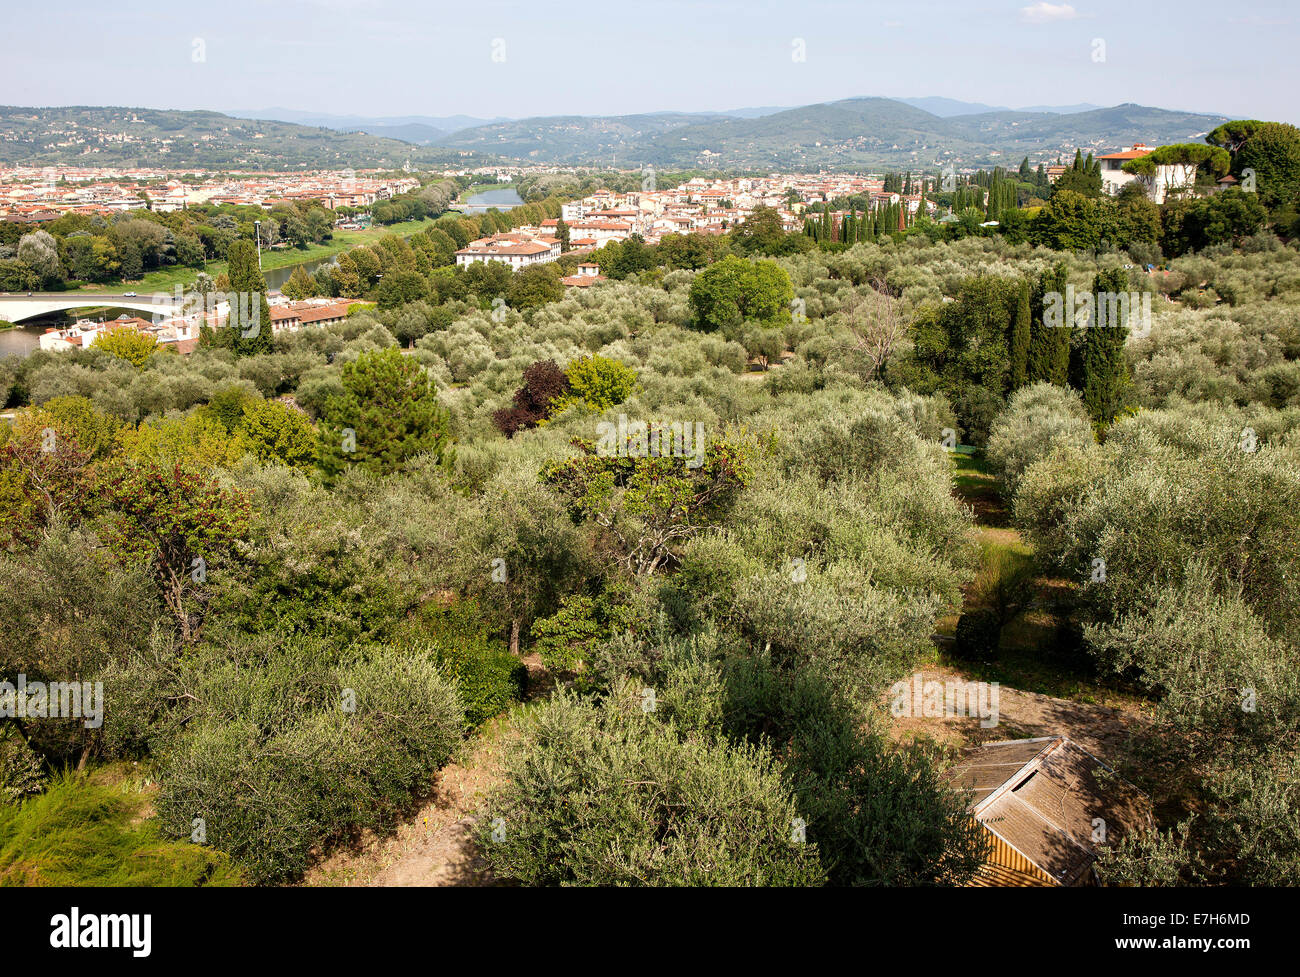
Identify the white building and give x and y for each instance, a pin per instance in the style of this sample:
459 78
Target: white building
1113 177
1167 178
514 250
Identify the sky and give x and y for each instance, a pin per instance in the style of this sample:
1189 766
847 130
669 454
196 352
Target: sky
489 58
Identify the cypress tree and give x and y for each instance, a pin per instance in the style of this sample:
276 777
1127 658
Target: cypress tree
1018 345
1049 346
1104 370
249 329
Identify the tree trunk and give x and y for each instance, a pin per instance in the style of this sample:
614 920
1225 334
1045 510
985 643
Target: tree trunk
514 637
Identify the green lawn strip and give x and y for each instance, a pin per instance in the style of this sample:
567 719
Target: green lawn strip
165 279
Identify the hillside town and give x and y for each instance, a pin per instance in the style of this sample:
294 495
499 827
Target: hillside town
698 206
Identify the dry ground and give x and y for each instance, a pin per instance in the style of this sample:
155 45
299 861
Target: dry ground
436 847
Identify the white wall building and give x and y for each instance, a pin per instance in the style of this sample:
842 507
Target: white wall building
514 250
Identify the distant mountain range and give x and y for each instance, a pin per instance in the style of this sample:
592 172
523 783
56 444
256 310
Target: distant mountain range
418 129
946 108
854 133
848 134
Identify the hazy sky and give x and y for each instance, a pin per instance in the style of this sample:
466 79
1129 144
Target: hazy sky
402 57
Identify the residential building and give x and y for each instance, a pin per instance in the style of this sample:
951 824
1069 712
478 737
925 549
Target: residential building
516 250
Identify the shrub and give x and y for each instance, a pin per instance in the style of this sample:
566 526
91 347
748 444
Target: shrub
1037 418
21 771
610 796
878 810
276 765
489 678
127 344
545 385
601 382
275 433
564 640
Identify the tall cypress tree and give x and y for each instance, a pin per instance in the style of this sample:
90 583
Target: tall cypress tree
249 329
1018 344
1105 371
1049 345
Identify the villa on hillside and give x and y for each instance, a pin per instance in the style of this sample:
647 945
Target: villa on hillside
1113 177
588 274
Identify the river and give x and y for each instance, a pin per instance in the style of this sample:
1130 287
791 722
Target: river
276 277
21 339
482 201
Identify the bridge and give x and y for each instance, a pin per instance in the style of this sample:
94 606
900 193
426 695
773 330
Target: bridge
20 306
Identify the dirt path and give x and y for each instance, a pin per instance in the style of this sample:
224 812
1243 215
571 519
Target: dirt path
1096 717
435 847
1099 729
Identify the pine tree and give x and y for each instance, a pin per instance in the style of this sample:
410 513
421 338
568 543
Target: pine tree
300 285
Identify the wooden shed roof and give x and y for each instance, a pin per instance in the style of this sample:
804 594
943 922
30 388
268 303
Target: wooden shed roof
1048 798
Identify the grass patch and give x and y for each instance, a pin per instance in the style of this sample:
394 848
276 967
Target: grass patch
86 832
165 279
976 485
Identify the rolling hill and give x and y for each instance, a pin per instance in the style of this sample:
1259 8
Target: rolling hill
111 136
851 134
847 134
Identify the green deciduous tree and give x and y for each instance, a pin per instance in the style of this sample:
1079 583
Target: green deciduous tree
734 290
179 525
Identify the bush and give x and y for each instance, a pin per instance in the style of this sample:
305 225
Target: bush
1037 418
565 639
610 796
976 409
978 635
308 747
878 810
489 678
545 386
21 772
601 382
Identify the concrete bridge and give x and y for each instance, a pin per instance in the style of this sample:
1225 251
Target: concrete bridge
15 307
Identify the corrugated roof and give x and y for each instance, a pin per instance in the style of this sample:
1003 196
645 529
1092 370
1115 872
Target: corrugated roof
1043 798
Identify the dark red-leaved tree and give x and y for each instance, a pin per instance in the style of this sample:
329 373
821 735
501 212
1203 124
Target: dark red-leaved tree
544 382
